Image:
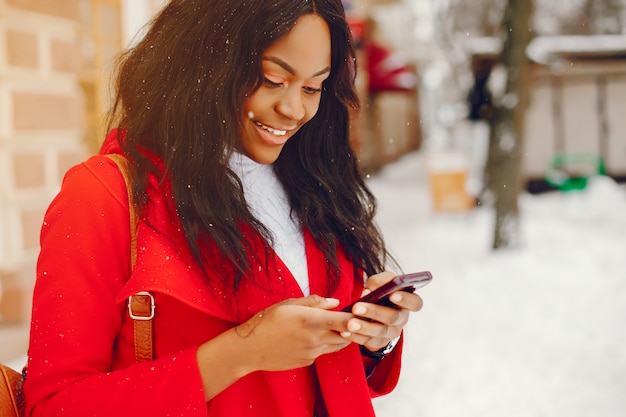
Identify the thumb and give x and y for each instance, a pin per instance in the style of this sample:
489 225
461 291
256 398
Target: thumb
317 301
375 281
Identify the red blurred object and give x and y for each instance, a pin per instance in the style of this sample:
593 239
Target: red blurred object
357 27
388 70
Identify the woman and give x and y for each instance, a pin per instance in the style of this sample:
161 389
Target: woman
254 228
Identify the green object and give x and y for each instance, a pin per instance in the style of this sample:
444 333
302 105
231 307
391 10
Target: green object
571 171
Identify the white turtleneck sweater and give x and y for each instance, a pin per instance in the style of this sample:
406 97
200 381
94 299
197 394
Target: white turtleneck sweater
268 202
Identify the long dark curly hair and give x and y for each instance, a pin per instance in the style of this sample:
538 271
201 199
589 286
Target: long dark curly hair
180 93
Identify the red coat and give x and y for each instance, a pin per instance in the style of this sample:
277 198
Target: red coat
81 356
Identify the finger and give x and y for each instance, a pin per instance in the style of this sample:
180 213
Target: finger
373 329
407 300
358 338
375 281
372 335
390 316
365 335
340 346
331 321
365 292
333 341
315 301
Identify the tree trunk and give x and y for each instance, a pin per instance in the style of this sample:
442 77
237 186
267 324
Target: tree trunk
503 171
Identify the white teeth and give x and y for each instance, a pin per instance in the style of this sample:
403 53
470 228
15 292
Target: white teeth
274 132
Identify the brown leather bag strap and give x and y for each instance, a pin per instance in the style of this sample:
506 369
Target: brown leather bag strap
141 310
11 398
122 165
141 305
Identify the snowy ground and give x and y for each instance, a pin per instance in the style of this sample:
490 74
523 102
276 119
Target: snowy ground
537 331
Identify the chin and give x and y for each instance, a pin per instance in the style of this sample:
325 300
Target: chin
264 156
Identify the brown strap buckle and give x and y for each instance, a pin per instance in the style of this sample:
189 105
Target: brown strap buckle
141 306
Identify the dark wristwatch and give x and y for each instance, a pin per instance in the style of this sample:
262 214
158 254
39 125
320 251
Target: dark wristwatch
381 353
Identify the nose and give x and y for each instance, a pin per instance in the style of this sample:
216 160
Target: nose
291 105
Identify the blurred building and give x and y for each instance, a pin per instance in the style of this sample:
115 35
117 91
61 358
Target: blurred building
388 124
577 102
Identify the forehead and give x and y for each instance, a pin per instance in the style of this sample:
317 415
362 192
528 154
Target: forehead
306 47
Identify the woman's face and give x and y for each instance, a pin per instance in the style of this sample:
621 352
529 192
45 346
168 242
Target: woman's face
294 68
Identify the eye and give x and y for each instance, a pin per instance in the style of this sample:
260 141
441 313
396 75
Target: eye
311 90
271 84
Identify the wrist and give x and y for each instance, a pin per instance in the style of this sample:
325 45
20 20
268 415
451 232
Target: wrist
222 361
380 353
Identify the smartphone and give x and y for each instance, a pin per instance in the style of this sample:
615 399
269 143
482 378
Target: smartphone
407 282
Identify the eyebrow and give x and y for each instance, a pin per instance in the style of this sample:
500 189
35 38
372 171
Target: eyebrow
291 70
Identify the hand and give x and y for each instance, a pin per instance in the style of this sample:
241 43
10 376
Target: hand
287 335
375 326
293 333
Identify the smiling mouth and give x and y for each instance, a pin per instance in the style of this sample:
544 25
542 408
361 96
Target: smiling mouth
274 132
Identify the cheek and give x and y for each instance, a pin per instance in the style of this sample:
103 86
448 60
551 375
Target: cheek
256 103
249 108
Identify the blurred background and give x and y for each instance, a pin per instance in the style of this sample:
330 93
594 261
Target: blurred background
485 125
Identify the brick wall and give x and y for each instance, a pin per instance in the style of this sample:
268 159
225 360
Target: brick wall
42 125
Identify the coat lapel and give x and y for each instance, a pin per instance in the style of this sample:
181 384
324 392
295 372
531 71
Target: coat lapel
341 376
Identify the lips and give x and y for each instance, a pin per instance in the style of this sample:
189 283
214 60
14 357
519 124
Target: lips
272 135
275 132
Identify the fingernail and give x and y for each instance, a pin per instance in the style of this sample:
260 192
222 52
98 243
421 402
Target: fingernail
346 334
365 292
396 297
359 309
353 326
332 300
